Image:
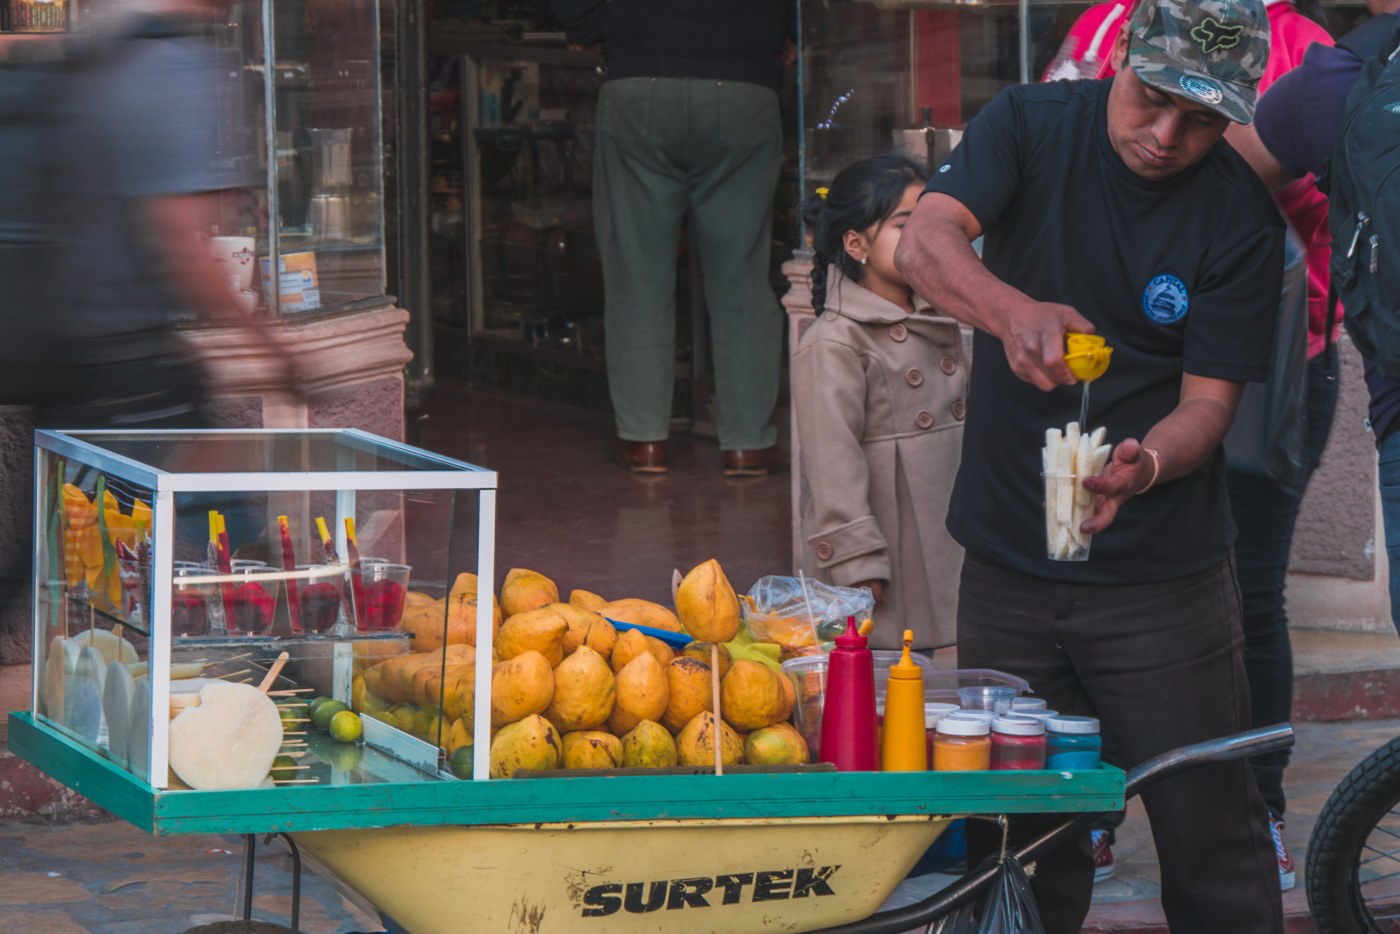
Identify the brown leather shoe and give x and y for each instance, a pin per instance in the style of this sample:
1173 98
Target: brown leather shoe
644 456
755 463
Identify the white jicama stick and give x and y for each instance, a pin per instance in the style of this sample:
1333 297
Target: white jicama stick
1083 464
1047 462
1064 469
1101 455
1097 436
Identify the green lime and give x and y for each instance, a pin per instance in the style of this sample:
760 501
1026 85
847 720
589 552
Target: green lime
317 702
346 727
383 716
324 713
460 762
344 756
283 768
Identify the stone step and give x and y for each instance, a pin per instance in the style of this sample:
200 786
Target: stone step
1339 675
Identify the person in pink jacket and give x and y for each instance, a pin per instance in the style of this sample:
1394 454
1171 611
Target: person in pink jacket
1264 510
879 386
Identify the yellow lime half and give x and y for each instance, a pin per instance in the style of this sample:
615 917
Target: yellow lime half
1086 355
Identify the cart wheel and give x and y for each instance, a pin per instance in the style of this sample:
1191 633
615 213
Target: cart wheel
241 927
1353 875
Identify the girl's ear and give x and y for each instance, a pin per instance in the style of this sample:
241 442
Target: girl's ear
855 245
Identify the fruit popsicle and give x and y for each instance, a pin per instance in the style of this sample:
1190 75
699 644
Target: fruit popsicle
327 543
289 563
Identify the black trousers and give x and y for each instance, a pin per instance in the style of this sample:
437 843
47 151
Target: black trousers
1265 513
1160 666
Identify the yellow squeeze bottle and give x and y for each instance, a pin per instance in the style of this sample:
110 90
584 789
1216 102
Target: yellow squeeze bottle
904 737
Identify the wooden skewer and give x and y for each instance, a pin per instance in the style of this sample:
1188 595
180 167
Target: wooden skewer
273 672
297 781
285 692
242 681
718 723
296 733
232 658
291 768
245 671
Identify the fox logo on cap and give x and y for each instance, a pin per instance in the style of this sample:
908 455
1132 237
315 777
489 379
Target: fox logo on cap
1211 35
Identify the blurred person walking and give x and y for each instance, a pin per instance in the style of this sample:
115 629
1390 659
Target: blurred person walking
112 185
688 120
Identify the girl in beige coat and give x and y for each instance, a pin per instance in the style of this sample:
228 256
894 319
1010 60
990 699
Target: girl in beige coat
879 388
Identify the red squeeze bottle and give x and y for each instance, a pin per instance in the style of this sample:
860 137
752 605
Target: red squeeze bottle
848 738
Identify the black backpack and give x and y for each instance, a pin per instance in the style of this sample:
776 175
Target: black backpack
1362 182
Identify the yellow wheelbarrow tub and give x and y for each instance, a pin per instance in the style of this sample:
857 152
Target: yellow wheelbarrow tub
628 877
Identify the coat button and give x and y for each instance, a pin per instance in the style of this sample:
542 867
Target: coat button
924 419
824 551
959 410
914 377
948 365
898 332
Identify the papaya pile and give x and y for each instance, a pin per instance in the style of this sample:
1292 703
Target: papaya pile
570 691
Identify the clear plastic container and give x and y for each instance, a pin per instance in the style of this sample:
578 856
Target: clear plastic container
808 677
996 698
1063 540
1072 743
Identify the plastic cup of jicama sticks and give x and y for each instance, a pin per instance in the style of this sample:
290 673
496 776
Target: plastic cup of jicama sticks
1063 540
1067 458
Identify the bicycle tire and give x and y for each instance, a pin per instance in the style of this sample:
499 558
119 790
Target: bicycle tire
1352 812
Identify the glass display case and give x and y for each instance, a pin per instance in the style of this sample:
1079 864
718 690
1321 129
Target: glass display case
302 143
194 590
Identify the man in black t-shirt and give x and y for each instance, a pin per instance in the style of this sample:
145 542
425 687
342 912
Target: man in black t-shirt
1113 207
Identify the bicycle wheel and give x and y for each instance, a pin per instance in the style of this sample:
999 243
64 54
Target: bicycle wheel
1353 877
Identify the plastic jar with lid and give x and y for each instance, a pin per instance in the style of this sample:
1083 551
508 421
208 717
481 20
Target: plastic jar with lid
1019 704
962 744
1018 743
1072 743
932 714
1041 715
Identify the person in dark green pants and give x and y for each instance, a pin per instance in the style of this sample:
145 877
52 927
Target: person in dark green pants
688 120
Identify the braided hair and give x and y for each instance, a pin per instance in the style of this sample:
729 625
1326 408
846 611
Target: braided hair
863 194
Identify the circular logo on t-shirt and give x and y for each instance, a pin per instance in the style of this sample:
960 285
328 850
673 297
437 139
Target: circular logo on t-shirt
1202 89
1165 300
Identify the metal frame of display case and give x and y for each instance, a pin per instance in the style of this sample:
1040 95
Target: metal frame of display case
455 475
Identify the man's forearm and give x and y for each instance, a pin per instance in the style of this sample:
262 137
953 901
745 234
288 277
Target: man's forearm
937 258
1186 438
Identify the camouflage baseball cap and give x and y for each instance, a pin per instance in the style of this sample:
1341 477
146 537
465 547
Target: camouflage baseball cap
1210 51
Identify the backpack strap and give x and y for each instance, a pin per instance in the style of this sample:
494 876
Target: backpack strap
1332 304
1374 40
